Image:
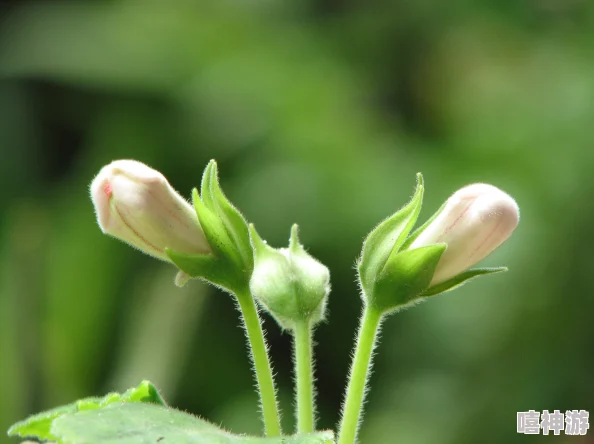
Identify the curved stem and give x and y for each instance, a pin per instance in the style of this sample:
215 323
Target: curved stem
353 405
304 376
259 356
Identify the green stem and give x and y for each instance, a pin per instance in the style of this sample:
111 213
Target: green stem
304 375
261 363
353 405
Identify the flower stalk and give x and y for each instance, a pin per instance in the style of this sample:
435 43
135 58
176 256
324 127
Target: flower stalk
352 409
261 362
302 340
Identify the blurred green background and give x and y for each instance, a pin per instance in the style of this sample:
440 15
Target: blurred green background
319 112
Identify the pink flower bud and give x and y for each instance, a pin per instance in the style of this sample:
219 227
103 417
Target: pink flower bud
474 221
137 205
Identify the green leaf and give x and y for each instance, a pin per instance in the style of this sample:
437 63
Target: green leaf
145 423
145 392
386 239
39 425
460 279
405 277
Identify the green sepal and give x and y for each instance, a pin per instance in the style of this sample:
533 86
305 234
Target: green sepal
387 238
213 227
294 244
313 308
39 425
232 219
205 187
206 267
283 308
260 247
405 277
226 231
413 236
460 279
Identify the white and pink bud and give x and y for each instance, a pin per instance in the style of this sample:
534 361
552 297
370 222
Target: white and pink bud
137 205
474 221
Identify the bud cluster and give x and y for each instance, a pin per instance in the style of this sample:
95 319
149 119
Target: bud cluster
211 240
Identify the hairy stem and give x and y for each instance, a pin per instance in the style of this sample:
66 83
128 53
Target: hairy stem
353 405
261 362
304 376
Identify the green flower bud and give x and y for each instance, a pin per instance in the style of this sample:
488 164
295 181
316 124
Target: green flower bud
289 283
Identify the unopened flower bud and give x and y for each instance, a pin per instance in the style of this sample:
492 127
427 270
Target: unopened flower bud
288 282
137 205
474 221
